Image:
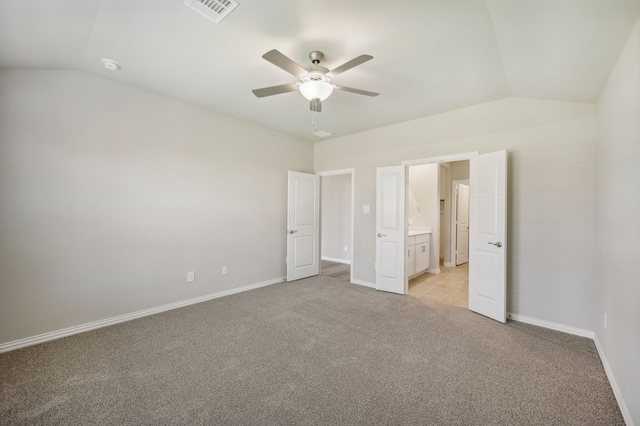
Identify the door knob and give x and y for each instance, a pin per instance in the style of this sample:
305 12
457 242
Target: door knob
381 235
498 244
292 231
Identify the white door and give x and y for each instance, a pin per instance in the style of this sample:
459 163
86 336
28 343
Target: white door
303 227
390 229
462 223
488 235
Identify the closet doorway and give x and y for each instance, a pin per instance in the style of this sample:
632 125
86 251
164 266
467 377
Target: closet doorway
336 222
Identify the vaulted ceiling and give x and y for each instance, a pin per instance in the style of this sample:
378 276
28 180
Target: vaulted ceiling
430 56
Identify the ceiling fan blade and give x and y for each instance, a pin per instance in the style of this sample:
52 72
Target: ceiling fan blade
281 61
352 63
275 90
358 91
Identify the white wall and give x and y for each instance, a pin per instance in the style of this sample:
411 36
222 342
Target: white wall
551 217
619 224
336 217
110 194
423 204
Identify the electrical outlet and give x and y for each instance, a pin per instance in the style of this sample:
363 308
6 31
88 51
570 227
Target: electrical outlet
191 276
224 270
346 248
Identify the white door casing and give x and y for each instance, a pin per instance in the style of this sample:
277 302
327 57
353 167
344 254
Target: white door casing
390 229
488 235
303 227
462 224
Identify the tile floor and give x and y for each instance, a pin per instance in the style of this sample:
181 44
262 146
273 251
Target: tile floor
450 286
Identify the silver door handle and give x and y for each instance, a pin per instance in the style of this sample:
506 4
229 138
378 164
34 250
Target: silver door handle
381 235
292 231
498 244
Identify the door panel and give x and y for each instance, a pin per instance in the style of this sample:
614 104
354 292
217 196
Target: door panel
390 229
488 235
303 228
462 224
389 267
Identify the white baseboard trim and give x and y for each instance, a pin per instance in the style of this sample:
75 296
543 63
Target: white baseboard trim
552 325
334 259
364 283
449 264
614 384
53 335
433 270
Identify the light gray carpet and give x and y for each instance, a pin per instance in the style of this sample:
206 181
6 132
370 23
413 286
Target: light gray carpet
315 351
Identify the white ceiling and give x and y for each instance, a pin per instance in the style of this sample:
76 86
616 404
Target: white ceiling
430 56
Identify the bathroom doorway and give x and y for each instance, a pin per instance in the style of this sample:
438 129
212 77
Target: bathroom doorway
447 279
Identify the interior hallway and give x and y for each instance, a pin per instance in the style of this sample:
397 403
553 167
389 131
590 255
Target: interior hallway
450 286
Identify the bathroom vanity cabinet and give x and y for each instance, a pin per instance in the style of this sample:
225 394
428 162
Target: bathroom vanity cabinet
417 254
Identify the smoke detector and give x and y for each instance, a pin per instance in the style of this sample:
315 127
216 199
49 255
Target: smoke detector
322 134
215 10
110 64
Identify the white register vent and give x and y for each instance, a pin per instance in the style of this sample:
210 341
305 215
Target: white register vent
215 10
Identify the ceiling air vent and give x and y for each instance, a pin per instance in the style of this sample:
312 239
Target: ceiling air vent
216 10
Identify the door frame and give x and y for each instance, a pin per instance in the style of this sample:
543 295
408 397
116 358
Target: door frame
351 172
437 160
454 211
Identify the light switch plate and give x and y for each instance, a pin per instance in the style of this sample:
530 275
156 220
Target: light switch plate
366 208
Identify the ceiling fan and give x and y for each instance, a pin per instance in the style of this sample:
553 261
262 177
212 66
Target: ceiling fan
314 81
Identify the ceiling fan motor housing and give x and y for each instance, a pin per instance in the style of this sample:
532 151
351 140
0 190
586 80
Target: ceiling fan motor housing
316 57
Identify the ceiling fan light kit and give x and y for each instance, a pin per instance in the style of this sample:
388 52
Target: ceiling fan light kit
314 81
316 90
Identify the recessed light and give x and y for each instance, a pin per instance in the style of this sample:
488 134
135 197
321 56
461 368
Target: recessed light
111 65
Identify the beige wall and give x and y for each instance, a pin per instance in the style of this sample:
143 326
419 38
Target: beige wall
110 194
619 224
336 217
551 218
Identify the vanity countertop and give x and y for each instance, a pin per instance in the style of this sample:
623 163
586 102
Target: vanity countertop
419 231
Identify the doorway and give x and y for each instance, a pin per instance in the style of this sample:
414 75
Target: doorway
336 212
435 205
487 230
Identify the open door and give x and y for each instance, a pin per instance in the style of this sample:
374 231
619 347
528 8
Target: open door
390 229
303 227
488 235
462 223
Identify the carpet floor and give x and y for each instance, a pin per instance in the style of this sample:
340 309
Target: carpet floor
317 351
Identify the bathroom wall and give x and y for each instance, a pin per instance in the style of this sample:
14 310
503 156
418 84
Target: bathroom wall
444 178
459 170
424 205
